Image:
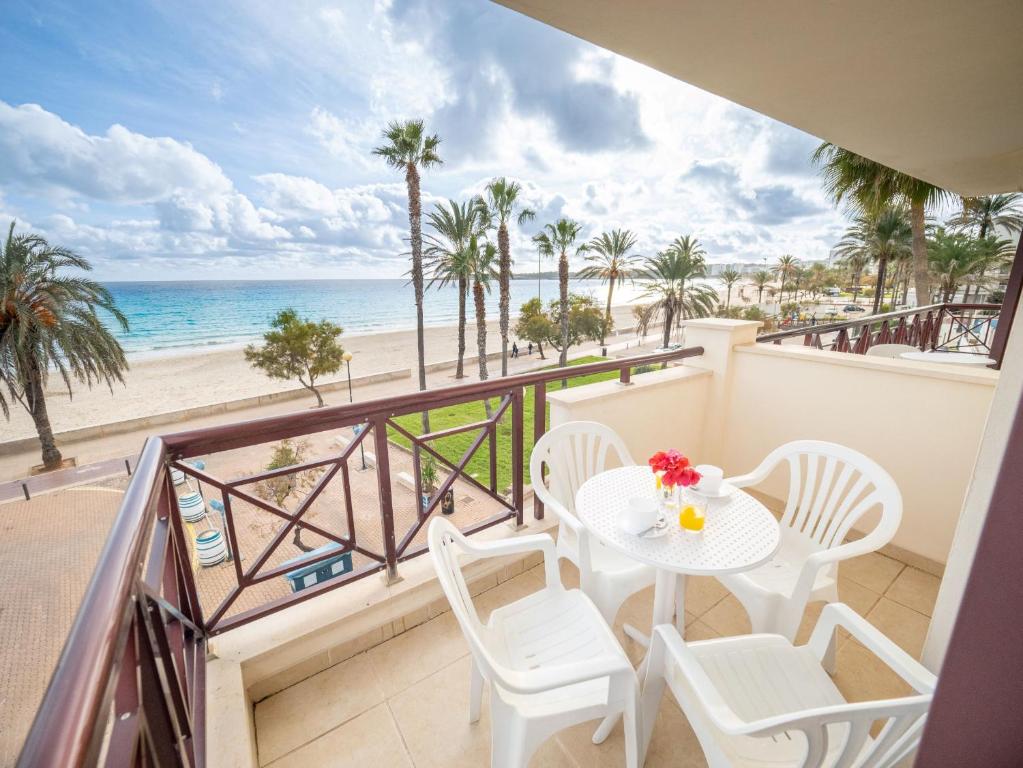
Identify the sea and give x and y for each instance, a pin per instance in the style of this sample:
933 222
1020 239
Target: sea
168 318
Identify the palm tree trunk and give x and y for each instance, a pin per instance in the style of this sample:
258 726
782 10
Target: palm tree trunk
607 310
563 287
481 327
921 273
504 249
37 409
463 290
481 337
669 316
415 215
882 268
728 298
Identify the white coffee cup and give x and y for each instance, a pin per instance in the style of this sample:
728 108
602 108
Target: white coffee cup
710 479
640 516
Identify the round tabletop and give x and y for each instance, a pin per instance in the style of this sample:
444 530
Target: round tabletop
955 358
739 532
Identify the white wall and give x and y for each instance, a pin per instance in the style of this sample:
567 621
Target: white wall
921 422
659 409
978 498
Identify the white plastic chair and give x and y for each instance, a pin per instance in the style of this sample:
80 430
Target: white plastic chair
573 453
831 487
551 660
890 350
758 700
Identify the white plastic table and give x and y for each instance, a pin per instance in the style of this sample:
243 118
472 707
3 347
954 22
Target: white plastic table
739 534
954 358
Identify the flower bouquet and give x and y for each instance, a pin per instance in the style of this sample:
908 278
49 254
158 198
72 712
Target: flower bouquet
672 471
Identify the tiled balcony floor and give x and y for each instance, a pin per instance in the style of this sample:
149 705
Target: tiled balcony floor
405 702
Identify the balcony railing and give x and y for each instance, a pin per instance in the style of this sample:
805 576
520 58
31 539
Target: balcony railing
129 688
967 328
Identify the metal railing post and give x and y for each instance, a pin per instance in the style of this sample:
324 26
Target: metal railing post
386 502
539 427
518 460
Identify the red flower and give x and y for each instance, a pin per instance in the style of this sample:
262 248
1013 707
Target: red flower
675 468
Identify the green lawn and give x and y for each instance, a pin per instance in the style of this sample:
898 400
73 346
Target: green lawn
454 446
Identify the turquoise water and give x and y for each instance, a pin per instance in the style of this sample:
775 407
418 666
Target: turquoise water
169 317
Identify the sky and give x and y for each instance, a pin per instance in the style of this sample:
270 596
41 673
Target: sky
177 140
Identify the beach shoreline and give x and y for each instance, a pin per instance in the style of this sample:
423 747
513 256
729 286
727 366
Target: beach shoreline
157 383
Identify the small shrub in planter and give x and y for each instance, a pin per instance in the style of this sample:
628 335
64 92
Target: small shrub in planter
428 479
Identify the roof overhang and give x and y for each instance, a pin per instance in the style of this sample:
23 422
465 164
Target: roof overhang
933 89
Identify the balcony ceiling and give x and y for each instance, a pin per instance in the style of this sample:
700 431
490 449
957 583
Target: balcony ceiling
933 89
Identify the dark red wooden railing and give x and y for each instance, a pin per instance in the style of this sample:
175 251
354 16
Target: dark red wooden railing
129 688
954 327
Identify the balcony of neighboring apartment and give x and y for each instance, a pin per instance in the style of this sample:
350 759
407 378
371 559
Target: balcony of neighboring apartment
319 636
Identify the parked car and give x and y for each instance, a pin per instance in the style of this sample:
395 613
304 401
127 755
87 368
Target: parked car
853 308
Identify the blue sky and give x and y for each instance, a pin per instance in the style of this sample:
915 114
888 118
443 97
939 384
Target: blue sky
189 140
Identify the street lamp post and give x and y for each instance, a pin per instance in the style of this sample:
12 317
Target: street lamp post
347 357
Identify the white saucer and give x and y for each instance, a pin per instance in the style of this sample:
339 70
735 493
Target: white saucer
724 490
660 528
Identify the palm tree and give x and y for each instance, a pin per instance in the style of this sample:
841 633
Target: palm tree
957 258
990 213
497 206
557 239
447 258
483 258
816 279
729 277
760 279
671 273
611 262
408 149
953 258
48 320
785 269
880 236
871 187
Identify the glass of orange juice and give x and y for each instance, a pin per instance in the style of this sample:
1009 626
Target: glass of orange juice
691 517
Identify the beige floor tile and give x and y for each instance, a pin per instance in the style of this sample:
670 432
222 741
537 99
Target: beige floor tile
371 739
915 589
569 574
700 631
857 597
418 653
507 592
904 626
433 717
703 593
728 618
861 676
672 743
873 571
314 706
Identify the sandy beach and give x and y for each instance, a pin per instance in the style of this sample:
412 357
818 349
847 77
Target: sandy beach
202 377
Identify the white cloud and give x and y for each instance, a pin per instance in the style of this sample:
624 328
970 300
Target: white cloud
589 135
40 152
